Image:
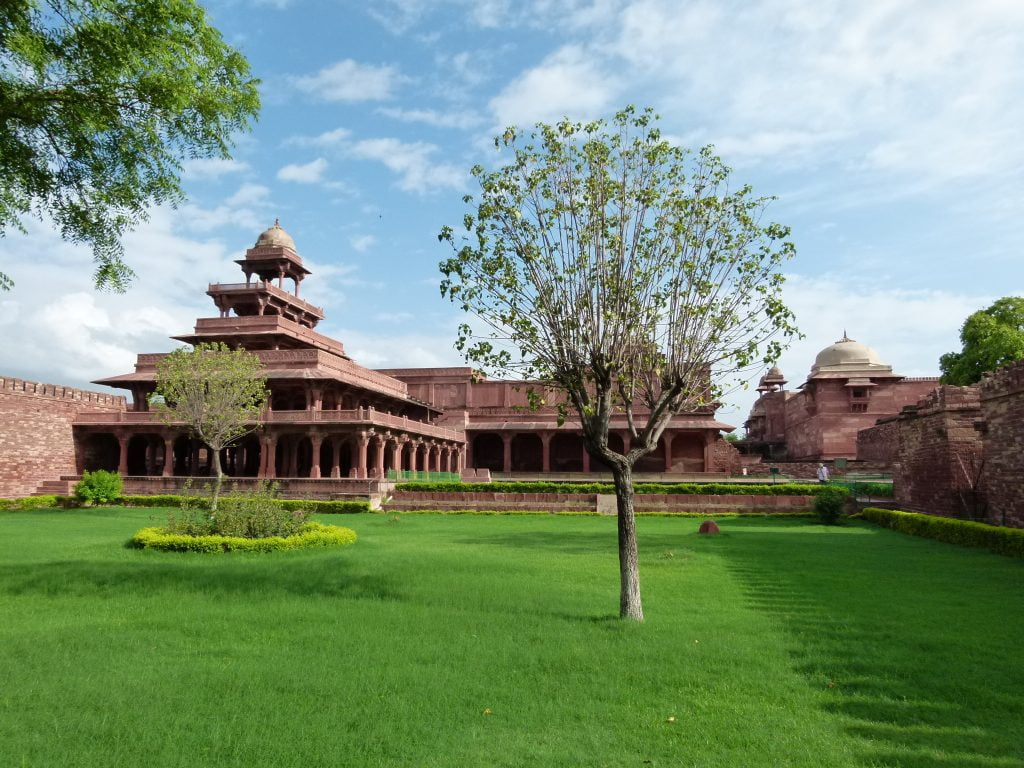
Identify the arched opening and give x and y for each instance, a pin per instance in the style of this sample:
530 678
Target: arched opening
489 452
527 453
294 456
567 452
101 451
688 452
654 461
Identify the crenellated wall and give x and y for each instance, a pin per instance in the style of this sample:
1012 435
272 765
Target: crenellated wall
35 431
1002 405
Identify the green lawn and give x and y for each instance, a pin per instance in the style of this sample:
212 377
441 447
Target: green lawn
778 643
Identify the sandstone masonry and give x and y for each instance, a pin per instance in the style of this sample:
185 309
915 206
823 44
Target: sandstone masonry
35 431
1002 403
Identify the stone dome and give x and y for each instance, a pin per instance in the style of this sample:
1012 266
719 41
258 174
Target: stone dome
275 236
848 355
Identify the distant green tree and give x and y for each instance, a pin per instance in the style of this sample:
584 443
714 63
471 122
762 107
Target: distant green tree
99 102
218 392
992 338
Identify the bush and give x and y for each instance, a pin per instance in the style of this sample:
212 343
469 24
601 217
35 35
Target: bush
966 533
257 515
30 502
309 535
99 487
714 489
829 504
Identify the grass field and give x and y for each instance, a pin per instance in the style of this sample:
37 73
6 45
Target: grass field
492 641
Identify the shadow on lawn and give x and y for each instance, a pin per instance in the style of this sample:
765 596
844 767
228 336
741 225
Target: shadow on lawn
209 574
915 677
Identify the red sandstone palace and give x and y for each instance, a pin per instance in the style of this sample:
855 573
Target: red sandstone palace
330 418
849 389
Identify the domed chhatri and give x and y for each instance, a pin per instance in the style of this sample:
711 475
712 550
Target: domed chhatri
848 355
275 236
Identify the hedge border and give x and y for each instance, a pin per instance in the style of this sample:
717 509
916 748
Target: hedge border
711 489
966 533
310 535
591 513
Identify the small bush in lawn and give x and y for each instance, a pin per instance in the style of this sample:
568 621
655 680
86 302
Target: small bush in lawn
99 487
829 504
257 515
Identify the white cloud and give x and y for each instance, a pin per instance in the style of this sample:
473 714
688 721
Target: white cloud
211 167
439 119
362 243
334 138
571 82
350 81
308 173
249 194
411 161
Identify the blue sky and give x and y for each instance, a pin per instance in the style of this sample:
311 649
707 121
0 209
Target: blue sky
888 130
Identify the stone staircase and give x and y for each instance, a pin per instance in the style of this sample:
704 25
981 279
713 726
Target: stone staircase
62 487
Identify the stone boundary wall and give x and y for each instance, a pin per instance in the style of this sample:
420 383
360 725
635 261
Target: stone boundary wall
940 454
589 502
880 443
323 489
35 431
725 457
1002 406
808 470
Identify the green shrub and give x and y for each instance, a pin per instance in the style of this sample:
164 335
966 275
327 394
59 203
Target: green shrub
829 504
714 489
30 502
99 487
313 507
257 515
309 535
967 533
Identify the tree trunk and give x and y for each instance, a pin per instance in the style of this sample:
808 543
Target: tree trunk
218 478
630 605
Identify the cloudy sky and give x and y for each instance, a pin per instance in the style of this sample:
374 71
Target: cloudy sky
889 130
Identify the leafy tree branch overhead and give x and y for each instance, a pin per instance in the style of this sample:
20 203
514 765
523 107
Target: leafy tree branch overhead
627 272
100 101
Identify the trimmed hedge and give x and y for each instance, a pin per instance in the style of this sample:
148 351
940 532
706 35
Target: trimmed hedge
30 502
714 489
966 533
314 507
311 535
589 513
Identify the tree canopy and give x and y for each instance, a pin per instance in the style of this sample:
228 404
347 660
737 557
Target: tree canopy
991 337
100 101
218 392
627 272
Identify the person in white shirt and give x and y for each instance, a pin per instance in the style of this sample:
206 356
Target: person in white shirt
822 473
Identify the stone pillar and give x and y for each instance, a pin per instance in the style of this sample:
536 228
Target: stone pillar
545 451
169 456
668 438
461 465
709 450
363 441
335 457
469 451
193 458
317 441
122 461
79 454
506 463
396 457
150 459
378 469
414 456
586 459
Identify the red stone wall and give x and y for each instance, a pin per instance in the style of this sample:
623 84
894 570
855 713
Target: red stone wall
35 431
1002 404
880 443
940 454
724 457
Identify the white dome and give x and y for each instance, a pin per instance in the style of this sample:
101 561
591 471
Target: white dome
275 236
848 355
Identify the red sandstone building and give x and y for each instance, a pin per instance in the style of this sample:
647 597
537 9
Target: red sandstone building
849 388
330 418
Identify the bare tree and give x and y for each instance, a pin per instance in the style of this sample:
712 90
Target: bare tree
218 392
609 264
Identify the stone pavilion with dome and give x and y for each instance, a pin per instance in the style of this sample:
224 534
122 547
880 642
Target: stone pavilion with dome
849 388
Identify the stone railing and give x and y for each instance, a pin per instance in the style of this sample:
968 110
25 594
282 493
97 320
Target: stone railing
361 417
269 288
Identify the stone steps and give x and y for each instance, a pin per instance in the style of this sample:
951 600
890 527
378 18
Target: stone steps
62 487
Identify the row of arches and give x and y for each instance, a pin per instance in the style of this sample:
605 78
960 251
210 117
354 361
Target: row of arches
294 455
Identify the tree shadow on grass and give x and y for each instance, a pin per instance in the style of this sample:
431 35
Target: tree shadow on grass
147 573
917 676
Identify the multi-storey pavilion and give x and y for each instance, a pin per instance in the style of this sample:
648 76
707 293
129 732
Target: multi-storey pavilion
327 416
